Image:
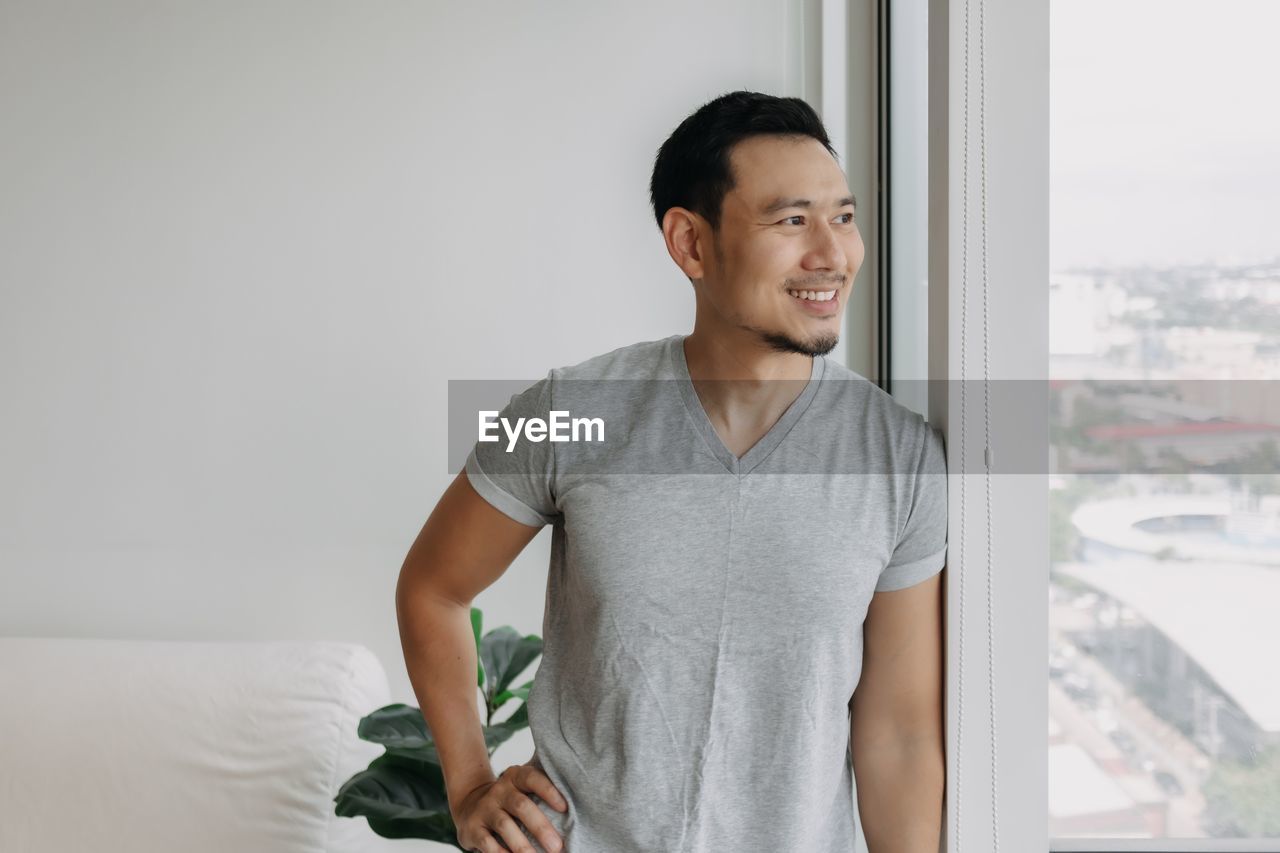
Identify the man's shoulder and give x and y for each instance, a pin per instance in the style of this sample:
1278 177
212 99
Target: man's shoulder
852 390
889 429
640 360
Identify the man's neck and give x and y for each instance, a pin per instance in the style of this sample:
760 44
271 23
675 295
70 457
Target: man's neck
744 381
710 357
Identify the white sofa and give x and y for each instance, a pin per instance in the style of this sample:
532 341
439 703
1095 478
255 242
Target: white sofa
123 746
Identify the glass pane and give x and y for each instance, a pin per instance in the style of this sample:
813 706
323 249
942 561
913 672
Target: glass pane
1164 686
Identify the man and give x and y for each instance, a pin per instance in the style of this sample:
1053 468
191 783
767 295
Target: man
762 533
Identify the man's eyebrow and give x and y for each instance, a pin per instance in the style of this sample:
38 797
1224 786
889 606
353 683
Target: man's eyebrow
782 203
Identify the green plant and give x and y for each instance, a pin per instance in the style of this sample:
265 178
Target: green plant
402 792
1240 796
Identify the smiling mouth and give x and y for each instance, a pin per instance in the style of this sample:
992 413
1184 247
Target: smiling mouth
821 303
814 295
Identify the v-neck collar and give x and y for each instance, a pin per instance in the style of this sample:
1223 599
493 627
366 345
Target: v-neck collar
771 439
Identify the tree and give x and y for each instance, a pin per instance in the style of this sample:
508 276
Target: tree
1240 797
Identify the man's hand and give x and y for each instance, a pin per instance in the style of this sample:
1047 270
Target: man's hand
486 817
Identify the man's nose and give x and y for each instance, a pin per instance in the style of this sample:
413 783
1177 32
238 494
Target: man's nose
828 249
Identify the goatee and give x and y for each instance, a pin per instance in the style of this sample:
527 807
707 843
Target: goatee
818 345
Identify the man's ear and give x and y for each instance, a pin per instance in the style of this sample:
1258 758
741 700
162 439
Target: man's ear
680 234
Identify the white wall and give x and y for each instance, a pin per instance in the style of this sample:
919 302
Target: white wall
245 246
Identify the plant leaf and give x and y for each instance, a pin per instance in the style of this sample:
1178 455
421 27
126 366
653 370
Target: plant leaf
477 619
421 828
398 803
423 762
396 725
506 654
497 733
521 692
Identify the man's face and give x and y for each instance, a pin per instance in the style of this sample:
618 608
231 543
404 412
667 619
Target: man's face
787 226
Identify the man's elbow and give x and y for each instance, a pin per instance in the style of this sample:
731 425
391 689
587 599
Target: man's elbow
901 792
903 729
910 756
922 747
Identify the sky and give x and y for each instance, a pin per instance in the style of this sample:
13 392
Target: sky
1164 139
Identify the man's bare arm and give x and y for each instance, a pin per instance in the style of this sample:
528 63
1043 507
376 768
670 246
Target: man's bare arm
896 724
465 545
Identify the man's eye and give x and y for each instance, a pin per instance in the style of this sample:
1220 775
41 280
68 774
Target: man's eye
847 222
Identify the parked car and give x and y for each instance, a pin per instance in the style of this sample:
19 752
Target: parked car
1088 641
1168 783
1105 720
1080 689
1084 601
1124 741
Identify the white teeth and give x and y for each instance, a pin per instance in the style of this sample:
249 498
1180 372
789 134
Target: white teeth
813 295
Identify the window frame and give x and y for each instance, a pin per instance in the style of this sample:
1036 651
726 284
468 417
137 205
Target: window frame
997 651
974 336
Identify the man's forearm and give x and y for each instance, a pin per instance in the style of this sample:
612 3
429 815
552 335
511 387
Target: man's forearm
900 797
439 652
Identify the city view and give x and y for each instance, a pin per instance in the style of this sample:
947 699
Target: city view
1164 413
1164 693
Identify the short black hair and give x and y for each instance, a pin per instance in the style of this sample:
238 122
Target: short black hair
692 170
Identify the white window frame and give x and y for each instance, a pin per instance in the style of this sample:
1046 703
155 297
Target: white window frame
832 65
1017 202
905 129
1017 228
983 330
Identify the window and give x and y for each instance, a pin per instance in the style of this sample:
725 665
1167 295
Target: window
1143 327
1164 294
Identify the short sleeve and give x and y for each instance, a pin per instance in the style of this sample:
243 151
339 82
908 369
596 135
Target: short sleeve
922 549
516 476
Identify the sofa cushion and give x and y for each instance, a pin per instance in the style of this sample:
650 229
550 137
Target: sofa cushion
140 746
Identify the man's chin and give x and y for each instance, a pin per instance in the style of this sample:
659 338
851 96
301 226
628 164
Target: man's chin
812 345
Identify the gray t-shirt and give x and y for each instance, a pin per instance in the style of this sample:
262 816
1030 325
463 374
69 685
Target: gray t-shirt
703 624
